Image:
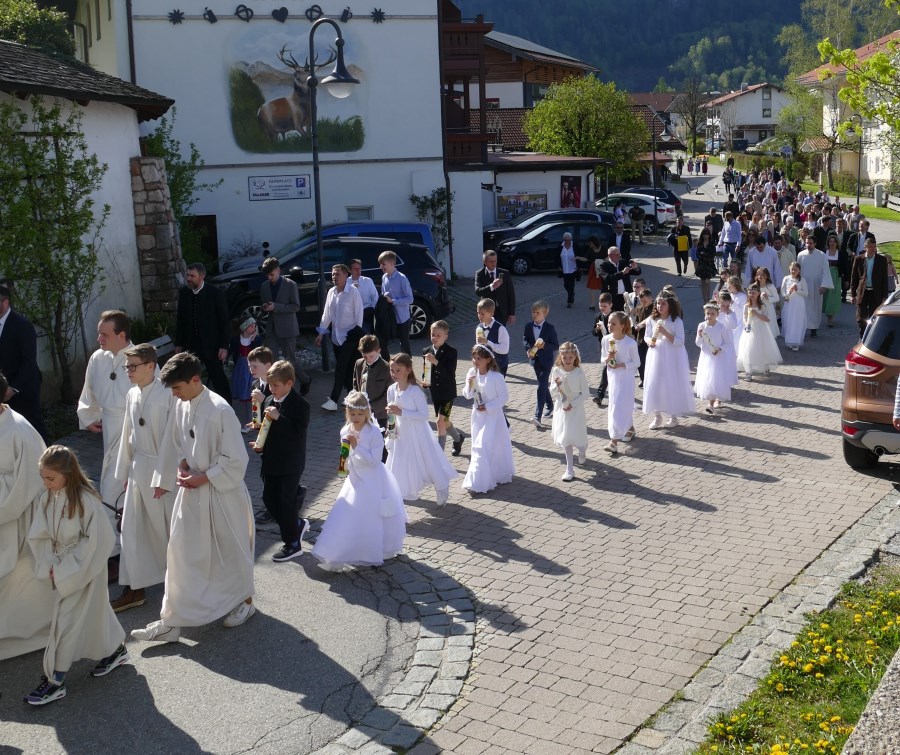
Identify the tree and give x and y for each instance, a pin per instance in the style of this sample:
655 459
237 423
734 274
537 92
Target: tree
47 29
49 224
589 118
182 174
690 106
800 120
434 209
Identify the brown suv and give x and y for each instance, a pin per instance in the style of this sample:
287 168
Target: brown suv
870 385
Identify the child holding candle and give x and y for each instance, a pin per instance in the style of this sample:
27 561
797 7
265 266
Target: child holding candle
729 321
619 352
367 523
667 377
414 457
758 350
541 342
492 460
239 348
569 389
441 359
793 314
713 379
492 334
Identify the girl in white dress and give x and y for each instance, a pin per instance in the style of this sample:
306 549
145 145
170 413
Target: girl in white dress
71 539
758 351
414 456
729 321
667 376
713 379
492 460
793 312
568 389
769 296
367 523
619 352
738 300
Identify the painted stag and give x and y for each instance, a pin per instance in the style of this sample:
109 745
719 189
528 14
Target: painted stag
280 116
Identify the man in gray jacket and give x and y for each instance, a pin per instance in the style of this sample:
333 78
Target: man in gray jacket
281 300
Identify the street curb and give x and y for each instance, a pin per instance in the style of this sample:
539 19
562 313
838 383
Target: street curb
437 672
735 671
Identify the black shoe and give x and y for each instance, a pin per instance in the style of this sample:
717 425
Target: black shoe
303 527
301 497
46 692
458 444
110 662
287 552
569 305
813 333
264 517
598 400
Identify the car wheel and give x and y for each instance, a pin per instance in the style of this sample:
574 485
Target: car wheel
859 458
252 307
650 225
420 319
521 265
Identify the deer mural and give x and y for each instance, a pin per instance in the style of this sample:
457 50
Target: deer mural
280 116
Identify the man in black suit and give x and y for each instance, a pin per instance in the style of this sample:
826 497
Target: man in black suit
868 283
491 282
18 362
203 327
616 273
622 241
855 243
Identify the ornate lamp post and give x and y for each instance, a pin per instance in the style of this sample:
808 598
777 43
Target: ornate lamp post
859 156
339 83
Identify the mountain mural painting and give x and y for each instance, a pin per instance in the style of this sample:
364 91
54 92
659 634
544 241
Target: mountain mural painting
270 108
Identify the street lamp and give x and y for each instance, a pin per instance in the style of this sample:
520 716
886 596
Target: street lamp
663 137
339 83
859 157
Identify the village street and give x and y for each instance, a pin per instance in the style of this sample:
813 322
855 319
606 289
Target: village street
592 602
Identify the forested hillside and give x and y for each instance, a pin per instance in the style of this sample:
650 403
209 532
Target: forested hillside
638 42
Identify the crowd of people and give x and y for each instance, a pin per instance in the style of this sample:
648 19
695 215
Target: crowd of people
172 506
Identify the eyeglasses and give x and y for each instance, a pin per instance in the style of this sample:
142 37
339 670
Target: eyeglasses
133 367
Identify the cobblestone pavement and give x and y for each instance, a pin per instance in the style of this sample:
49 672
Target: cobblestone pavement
595 601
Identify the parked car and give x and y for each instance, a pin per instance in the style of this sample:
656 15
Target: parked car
415 261
518 226
539 248
870 385
662 195
665 213
414 233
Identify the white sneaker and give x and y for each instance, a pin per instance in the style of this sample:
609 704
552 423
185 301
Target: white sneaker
582 455
239 615
536 421
656 423
442 496
672 422
568 476
157 632
330 406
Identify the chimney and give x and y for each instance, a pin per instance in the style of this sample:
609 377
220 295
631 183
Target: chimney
744 86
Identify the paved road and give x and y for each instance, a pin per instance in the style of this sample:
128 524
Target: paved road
596 600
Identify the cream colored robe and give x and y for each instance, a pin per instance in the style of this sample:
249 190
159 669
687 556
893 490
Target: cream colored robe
84 625
103 399
26 603
146 520
210 556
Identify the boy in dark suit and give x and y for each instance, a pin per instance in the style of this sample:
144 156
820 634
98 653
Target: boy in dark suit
443 358
541 342
284 456
600 330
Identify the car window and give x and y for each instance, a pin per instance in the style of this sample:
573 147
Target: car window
308 261
883 336
555 234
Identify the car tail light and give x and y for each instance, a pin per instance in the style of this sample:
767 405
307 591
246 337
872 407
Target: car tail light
856 364
668 209
851 431
438 277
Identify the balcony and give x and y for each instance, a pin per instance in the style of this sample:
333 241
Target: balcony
466 146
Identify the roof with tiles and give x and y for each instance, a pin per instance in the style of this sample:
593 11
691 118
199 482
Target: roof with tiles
740 93
815 76
25 71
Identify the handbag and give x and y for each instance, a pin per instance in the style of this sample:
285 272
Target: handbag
117 511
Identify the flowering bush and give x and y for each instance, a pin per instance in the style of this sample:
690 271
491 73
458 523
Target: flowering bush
818 688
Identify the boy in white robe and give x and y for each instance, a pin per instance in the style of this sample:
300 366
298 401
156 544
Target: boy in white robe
147 510
101 407
26 603
814 270
210 557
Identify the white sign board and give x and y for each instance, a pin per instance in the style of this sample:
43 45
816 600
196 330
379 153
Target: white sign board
263 188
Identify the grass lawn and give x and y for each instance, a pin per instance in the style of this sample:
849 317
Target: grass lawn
818 688
892 248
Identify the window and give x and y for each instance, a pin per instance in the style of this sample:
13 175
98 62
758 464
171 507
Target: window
360 213
767 112
737 133
767 94
763 135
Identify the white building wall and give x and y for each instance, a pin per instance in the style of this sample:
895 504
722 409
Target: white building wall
510 93
111 132
467 208
398 100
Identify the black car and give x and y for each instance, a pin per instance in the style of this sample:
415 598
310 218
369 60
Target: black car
666 196
539 248
517 227
415 261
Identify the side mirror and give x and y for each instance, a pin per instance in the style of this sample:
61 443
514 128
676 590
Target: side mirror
295 272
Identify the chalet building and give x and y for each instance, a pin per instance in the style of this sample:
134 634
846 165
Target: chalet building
742 118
